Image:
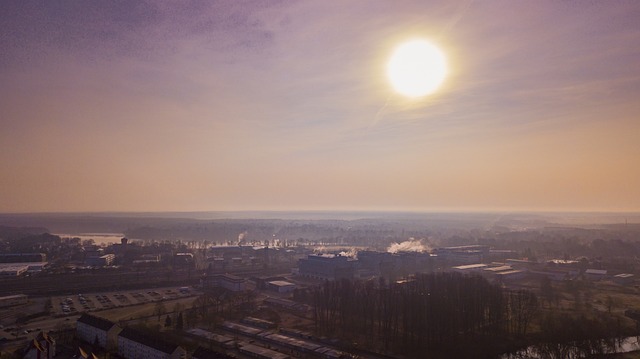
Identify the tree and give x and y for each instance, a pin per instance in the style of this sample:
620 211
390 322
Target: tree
190 318
178 307
159 309
546 289
609 304
180 322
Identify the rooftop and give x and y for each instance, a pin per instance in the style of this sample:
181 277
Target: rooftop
96 322
470 266
147 340
204 353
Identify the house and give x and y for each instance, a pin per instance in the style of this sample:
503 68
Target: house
42 346
97 330
133 344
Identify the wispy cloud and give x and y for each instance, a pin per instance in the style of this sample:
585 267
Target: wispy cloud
240 103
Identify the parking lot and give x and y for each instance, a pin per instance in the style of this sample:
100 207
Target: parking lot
85 302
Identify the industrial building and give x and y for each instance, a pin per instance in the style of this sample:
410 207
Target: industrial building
281 286
255 351
327 267
222 341
13 269
463 254
624 278
595 274
22 257
101 261
297 343
11 300
286 304
470 268
260 323
227 281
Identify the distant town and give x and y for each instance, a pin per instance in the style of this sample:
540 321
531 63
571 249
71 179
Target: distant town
383 287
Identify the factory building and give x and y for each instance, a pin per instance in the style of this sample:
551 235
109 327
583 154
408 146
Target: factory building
12 300
227 281
463 254
327 267
22 257
101 261
13 269
470 268
281 286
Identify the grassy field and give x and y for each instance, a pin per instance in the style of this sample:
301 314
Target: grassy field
146 310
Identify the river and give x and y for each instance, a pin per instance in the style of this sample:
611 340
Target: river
626 345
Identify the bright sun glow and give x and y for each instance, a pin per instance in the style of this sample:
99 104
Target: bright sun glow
417 68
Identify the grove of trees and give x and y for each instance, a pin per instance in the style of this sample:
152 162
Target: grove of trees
439 313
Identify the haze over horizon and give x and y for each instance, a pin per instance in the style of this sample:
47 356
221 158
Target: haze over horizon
282 105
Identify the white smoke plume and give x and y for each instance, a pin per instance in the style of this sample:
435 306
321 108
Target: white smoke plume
319 249
351 253
241 236
411 245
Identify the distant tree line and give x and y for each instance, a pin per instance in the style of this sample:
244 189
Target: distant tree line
432 313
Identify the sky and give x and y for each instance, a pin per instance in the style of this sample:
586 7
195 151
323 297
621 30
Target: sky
285 105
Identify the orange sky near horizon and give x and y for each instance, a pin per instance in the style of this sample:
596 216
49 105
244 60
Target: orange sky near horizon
286 105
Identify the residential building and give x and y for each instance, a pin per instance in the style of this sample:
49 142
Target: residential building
42 346
96 330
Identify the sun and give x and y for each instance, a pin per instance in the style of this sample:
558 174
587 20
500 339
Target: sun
417 68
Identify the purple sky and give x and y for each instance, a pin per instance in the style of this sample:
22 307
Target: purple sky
238 105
